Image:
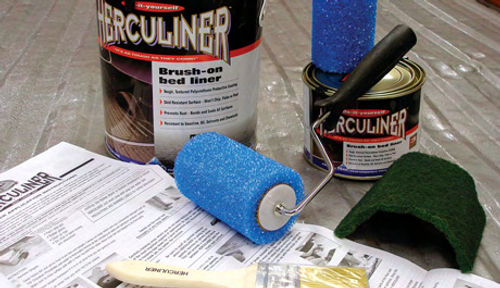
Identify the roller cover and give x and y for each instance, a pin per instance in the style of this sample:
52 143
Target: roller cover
228 180
343 32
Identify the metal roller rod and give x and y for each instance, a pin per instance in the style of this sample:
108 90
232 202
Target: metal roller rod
280 208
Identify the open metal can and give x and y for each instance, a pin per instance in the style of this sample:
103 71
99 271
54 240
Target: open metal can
373 132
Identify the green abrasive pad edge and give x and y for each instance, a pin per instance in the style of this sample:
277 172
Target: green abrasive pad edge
432 189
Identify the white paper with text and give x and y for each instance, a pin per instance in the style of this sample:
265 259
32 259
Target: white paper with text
67 212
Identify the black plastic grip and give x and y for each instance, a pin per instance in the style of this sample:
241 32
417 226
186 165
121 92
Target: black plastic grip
369 71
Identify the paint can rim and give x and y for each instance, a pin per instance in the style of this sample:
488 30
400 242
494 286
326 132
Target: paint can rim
405 78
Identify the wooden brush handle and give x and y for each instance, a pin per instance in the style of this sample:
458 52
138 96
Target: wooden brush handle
159 275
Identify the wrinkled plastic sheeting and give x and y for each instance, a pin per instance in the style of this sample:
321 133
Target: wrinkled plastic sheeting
50 91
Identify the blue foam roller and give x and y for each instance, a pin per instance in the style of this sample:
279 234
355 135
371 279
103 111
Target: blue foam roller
228 180
343 32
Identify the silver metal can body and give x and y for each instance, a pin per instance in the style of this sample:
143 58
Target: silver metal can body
173 69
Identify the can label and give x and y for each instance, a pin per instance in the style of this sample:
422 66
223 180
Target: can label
371 140
176 68
369 136
190 98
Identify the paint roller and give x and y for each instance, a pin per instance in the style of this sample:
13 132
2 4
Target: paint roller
343 32
255 195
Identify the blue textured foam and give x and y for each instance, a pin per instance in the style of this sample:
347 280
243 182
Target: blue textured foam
228 180
343 32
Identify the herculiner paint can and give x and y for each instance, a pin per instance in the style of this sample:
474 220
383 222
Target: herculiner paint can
372 133
172 69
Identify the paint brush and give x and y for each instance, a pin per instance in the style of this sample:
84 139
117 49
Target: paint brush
257 275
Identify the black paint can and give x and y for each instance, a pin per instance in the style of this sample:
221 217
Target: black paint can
372 133
172 69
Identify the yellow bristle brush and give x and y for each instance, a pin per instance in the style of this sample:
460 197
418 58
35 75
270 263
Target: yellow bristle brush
254 276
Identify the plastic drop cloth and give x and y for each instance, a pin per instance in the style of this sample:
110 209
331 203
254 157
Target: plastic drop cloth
50 91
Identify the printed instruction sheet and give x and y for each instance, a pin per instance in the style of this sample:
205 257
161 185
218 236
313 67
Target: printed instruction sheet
67 212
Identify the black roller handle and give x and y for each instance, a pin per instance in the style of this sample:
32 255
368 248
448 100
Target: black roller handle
369 71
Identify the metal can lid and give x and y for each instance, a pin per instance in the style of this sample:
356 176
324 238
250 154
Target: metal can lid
406 77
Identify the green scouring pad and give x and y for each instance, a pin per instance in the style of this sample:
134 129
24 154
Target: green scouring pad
432 189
